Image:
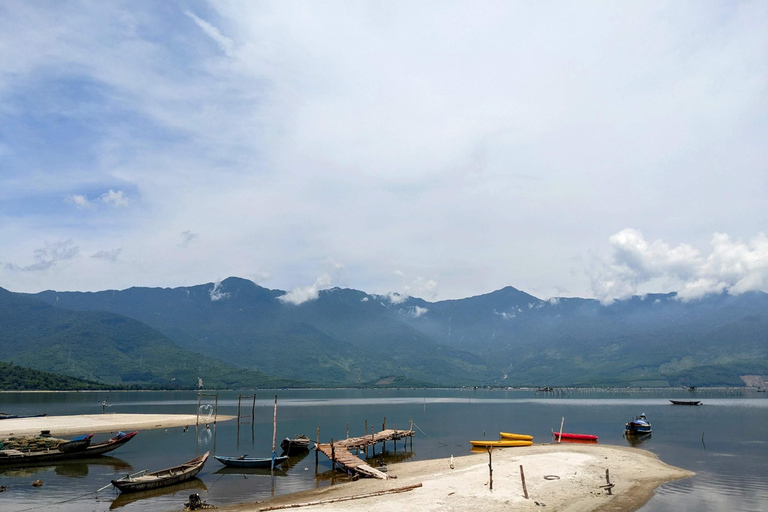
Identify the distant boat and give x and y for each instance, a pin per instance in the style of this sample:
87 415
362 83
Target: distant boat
504 443
295 445
639 426
24 458
574 437
6 416
515 437
244 461
686 402
144 481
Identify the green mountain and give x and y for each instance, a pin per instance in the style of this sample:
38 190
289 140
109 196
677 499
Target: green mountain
109 348
18 378
507 337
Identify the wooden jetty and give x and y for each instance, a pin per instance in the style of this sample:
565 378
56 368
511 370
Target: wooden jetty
340 455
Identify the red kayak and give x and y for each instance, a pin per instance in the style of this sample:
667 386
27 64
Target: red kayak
574 437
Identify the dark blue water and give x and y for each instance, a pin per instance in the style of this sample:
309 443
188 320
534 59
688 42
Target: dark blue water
725 441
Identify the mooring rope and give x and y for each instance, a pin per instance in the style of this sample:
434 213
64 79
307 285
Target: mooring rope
438 442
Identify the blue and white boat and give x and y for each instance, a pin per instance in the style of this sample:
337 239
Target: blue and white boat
638 427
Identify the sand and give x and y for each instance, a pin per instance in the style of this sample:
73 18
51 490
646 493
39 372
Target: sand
95 423
559 477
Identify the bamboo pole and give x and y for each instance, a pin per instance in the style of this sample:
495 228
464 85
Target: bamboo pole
216 410
253 410
199 400
274 433
490 466
317 443
522 477
560 437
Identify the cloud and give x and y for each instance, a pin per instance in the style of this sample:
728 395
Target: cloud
304 294
417 311
226 44
79 200
49 256
107 255
114 198
216 292
733 267
187 237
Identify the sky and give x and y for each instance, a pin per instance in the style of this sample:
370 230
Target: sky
434 149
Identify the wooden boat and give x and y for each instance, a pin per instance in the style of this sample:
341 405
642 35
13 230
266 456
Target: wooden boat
685 402
245 461
77 444
144 481
6 416
639 426
565 436
24 458
516 437
504 443
182 488
295 446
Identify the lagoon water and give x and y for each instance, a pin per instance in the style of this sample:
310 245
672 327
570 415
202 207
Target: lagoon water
725 441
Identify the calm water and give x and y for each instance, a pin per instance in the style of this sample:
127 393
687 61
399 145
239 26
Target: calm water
725 441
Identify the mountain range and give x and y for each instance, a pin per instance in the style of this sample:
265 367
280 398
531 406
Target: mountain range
243 334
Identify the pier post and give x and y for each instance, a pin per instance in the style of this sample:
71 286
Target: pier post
373 442
347 430
238 409
253 410
333 455
522 477
199 401
317 443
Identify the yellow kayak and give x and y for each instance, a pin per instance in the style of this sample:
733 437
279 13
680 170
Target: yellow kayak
516 437
504 443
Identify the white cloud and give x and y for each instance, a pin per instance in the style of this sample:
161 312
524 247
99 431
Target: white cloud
216 292
226 44
79 200
733 267
417 311
49 256
300 295
114 198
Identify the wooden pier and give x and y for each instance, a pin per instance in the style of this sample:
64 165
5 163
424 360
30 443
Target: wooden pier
340 455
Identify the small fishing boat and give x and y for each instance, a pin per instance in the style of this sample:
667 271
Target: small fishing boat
685 402
77 444
639 426
515 437
295 445
565 436
504 443
144 481
15 457
245 461
6 416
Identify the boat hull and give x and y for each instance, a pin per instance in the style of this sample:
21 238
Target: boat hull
250 462
515 437
504 443
686 402
574 437
46 457
162 478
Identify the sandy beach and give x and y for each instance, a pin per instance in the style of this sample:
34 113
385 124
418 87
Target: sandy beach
558 477
95 423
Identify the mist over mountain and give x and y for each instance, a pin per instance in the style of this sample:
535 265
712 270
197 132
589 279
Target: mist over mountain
506 337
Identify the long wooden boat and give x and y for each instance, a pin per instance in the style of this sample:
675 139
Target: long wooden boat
124 499
21 458
515 437
504 443
685 402
244 461
574 437
144 481
6 416
295 445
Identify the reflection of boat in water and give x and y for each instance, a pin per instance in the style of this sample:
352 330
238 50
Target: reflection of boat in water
126 499
243 471
74 468
144 481
638 426
6 416
635 440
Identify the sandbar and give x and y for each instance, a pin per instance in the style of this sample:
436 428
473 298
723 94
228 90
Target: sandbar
95 423
558 477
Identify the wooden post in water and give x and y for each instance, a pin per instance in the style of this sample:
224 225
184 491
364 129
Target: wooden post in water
253 410
411 436
199 400
347 430
317 443
490 465
274 433
522 477
238 409
216 410
333 455
373 442
383 428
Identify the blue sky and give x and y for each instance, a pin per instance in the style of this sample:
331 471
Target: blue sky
435 149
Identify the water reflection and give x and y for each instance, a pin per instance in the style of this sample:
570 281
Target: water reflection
637 440
128 498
